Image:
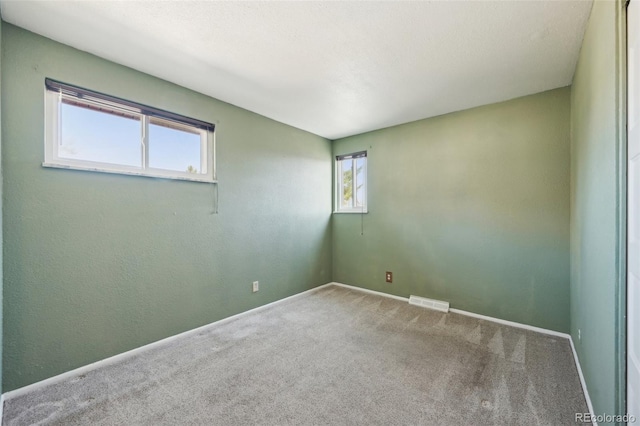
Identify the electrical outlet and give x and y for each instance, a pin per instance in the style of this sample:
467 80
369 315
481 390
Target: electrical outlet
579 337
256 286
389 277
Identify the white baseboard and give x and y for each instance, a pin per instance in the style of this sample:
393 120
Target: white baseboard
377 293
582 381
503 322
7 396
511 323
111 360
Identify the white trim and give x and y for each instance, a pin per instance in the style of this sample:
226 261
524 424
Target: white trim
582 381
377 293
503 322
511 323
350 212
127 173
53 137
461 312
338 185
7 396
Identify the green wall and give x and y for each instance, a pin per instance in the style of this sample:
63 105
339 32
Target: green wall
1 186
96 264
470 207
595 208
474 207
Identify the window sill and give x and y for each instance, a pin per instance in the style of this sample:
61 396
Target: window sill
126 173
350 211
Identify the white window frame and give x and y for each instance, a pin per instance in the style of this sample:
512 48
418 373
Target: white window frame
339 183
53 138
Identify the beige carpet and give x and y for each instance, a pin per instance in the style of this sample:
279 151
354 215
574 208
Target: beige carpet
331 357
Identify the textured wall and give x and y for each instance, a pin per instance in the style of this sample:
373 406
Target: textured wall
1 197
96 264
594 206
470 207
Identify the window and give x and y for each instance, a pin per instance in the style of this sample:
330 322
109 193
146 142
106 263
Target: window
87 130
351 183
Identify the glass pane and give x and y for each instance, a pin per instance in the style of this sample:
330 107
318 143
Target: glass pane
360 182
174 147
347 183
92 133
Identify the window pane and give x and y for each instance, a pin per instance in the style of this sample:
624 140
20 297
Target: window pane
347 183
351 185
360 182
172 147
91 134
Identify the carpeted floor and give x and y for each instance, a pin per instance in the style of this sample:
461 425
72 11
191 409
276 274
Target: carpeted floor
334 356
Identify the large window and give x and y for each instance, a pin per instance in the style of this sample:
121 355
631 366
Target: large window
351 183
91 131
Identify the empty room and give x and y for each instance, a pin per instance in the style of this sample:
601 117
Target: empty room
319 213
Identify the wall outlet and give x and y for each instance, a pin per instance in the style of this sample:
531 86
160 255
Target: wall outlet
579 337
389 277
256 286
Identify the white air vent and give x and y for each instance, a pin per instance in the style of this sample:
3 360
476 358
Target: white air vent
438 305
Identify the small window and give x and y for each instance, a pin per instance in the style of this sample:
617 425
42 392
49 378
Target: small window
351 183
87 130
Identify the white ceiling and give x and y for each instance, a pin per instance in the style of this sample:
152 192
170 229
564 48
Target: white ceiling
333 68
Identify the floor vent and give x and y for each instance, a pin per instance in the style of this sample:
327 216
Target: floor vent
438 305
